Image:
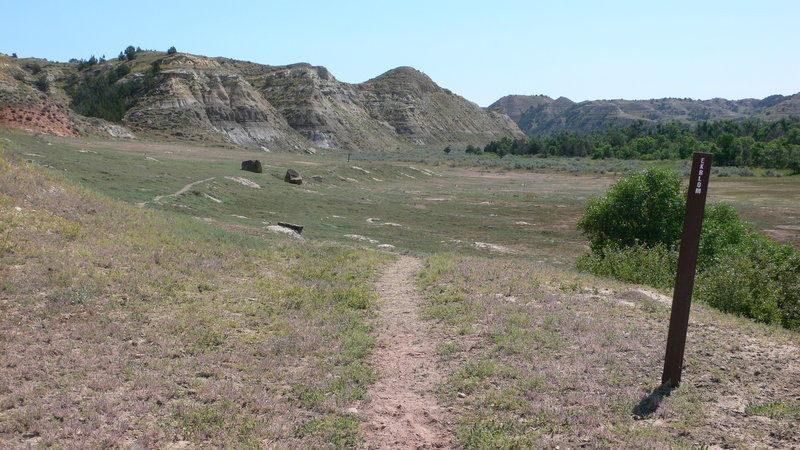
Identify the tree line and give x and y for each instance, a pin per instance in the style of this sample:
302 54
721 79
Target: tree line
742 143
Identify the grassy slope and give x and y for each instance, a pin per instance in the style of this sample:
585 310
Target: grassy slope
120 326
544 357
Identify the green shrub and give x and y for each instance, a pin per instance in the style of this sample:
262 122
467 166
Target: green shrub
722 228
653 266
645 208
634 232
757 278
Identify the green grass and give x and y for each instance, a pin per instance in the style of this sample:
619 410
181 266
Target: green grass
412 210
422 208
775 409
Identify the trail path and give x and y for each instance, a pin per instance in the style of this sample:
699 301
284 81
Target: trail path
181 191
403 412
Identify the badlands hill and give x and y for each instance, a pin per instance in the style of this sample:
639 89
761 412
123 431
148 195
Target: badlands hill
541 115
192 97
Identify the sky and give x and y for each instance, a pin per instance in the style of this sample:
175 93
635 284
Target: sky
481 50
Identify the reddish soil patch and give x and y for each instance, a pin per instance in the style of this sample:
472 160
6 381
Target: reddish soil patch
403 411
48 118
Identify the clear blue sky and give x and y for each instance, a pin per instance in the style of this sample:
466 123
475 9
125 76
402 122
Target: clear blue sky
481 50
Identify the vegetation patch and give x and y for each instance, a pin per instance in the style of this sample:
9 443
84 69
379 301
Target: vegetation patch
126 326
557 358
634 232
740 143
107 93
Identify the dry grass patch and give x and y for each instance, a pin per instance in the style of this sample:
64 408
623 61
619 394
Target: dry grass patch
540 357
121 327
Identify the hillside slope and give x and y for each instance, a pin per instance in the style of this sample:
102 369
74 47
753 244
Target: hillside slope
128 328
30 100
418 109
515 105
192 97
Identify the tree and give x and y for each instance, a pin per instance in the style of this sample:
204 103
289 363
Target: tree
447 149
645 208
130 52
172 50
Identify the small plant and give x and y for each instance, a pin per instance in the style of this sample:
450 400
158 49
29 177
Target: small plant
77 295
5 229
42 83
775 410
446 350
35 68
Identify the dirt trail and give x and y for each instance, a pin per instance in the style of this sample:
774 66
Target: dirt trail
403 412
181 191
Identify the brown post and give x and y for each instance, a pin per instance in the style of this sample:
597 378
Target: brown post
687 262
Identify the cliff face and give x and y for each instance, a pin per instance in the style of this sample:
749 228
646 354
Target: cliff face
195 98
327 112
545 117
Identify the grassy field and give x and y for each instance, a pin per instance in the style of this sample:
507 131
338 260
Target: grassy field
143 301
412 206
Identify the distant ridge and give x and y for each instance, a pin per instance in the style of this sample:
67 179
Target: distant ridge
540 115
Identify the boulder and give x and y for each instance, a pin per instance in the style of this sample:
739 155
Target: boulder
252 165
293 176
296 228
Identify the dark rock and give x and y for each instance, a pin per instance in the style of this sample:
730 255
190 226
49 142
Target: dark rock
252 165
291 226
318 178
293 176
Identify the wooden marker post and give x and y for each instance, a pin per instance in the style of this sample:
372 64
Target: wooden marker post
687 262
